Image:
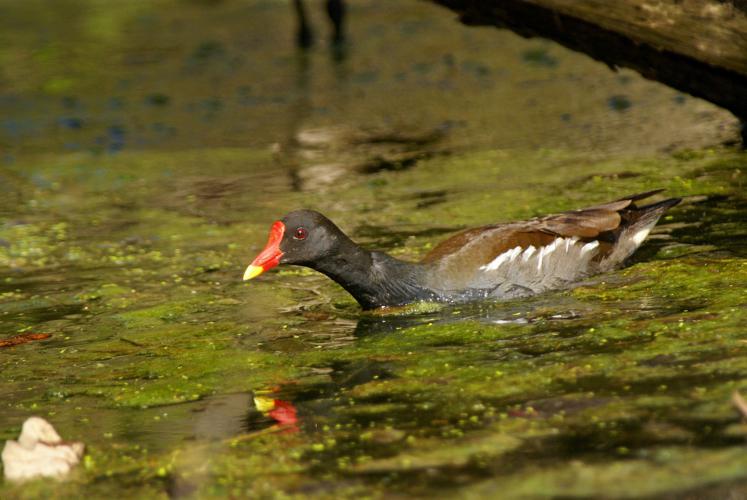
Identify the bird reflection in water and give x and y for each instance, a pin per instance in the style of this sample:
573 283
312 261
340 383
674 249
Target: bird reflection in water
284 413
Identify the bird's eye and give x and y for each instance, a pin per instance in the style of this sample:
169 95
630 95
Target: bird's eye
301 233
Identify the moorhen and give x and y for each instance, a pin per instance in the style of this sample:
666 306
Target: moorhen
505 260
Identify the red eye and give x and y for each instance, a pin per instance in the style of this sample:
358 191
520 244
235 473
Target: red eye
300 234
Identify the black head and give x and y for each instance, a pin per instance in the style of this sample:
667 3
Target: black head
309 236
302 237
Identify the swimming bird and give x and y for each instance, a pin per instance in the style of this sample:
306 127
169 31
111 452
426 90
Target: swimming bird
501 261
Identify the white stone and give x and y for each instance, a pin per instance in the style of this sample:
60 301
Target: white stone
39 452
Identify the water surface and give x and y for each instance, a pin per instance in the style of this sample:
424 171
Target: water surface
146 150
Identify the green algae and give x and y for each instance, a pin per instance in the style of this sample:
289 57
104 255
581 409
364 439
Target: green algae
569 393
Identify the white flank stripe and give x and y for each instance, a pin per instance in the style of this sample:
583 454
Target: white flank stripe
515 253
547 250
589 247
560 249
528 253
502 258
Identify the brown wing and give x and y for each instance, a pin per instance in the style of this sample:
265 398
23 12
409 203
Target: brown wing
482 244
581 224
593 221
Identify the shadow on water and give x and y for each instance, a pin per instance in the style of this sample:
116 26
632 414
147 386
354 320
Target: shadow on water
716 221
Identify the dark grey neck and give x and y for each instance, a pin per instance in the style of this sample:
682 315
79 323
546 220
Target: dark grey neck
375 279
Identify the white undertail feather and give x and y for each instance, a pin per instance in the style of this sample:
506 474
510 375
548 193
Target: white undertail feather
641 235
628 242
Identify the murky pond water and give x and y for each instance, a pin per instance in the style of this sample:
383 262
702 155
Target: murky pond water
146 149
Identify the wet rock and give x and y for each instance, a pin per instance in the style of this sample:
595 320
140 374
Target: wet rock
39 452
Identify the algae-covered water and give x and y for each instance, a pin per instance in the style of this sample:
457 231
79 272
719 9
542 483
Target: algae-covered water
146 148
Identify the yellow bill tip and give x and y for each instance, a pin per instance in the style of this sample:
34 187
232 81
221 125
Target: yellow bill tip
252 272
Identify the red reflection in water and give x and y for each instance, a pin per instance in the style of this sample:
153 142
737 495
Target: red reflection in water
284 413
